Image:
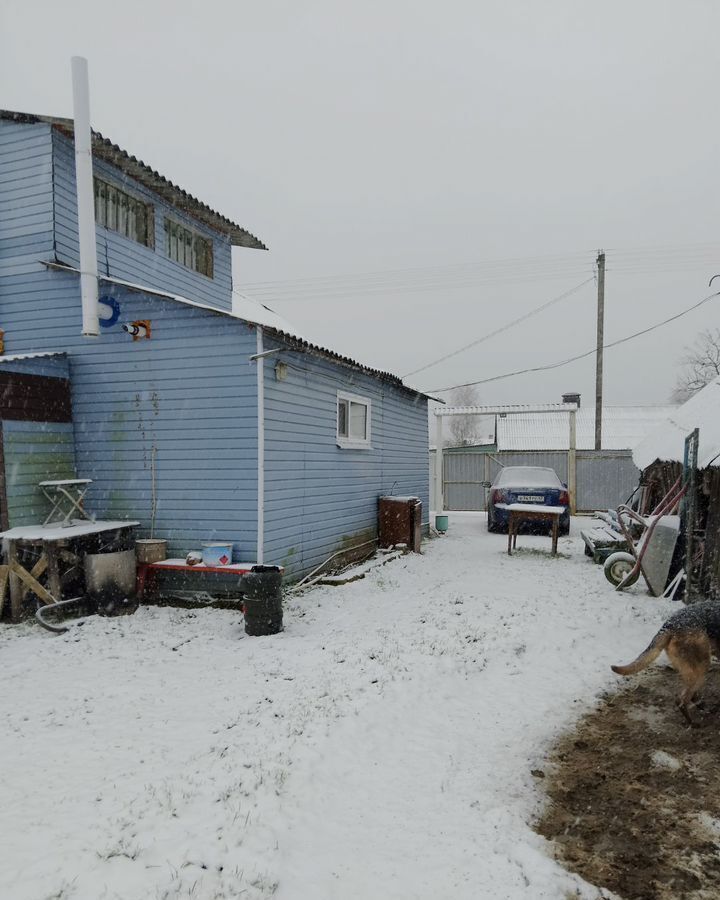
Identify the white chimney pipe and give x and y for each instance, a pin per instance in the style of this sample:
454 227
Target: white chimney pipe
85 197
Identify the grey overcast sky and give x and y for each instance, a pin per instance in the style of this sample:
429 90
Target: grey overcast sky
425 172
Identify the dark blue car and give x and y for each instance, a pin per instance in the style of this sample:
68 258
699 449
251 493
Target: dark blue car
526 484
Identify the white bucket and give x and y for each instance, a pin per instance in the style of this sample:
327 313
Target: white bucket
217 553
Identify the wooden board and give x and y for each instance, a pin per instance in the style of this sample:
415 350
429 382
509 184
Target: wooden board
31 582
4 578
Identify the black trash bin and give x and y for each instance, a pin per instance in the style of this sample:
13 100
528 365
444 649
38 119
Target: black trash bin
262 598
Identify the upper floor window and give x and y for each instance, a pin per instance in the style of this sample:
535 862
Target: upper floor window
119 211
353 421
189 248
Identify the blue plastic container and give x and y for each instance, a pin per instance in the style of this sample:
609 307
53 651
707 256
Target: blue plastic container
441 524
217 553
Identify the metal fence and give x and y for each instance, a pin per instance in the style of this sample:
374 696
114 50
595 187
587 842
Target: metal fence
604 478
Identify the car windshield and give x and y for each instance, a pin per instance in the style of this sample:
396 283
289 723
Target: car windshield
528 476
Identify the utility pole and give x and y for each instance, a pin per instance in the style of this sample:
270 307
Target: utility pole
599 353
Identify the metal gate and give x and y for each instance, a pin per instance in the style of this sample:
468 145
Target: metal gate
604 478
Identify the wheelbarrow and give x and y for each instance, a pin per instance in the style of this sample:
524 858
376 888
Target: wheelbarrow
651 554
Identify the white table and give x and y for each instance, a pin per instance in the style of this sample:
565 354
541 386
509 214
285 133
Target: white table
66 499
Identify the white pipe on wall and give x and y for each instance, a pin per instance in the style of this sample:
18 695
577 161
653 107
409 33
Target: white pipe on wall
85 197
438 464
260 363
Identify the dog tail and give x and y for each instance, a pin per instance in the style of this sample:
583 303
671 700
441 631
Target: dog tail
656 647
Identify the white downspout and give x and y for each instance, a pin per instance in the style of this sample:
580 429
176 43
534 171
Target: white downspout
260 363
85 198
438 464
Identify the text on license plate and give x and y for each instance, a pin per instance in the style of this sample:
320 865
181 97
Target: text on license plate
530 498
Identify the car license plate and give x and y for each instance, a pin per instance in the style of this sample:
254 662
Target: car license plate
530 498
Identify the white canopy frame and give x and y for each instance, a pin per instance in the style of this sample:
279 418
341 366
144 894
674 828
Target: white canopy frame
443 412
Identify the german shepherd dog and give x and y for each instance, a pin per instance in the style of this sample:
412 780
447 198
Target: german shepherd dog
690 638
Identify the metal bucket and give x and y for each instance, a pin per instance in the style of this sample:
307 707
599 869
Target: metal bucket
110 575
150 550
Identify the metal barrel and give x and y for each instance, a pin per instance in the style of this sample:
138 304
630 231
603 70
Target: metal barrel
262 599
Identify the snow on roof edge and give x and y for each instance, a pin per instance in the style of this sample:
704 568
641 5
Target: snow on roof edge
667 441
18 357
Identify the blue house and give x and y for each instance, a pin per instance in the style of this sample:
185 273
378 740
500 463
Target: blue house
215 420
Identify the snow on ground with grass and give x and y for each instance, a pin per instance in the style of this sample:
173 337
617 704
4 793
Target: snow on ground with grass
381 747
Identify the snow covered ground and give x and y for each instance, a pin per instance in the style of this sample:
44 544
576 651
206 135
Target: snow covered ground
381 747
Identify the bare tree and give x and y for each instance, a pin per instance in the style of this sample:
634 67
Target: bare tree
701 363
465 430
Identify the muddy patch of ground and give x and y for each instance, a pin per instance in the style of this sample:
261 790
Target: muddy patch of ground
635 794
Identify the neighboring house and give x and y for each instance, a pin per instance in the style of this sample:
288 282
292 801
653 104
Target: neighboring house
285 455
660 458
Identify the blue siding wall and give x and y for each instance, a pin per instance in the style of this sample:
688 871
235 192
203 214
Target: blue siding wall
124 258
26 200
34 452
321 498
179 412
181 405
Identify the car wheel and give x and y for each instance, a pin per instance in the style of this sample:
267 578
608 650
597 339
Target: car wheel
491 524
564 529
617 566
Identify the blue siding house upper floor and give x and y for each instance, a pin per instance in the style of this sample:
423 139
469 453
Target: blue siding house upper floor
148 230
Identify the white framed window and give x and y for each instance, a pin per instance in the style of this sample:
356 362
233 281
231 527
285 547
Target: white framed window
188 248
119 211
353 421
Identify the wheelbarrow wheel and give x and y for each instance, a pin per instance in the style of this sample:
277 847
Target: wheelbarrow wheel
617 566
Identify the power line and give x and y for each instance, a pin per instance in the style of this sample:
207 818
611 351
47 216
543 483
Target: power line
435 281
422 274
572 359
381 289
385 293
381 292
486 337
421 271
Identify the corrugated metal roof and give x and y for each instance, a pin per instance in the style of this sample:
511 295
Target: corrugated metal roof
103 148
255 314
666 442
623 427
